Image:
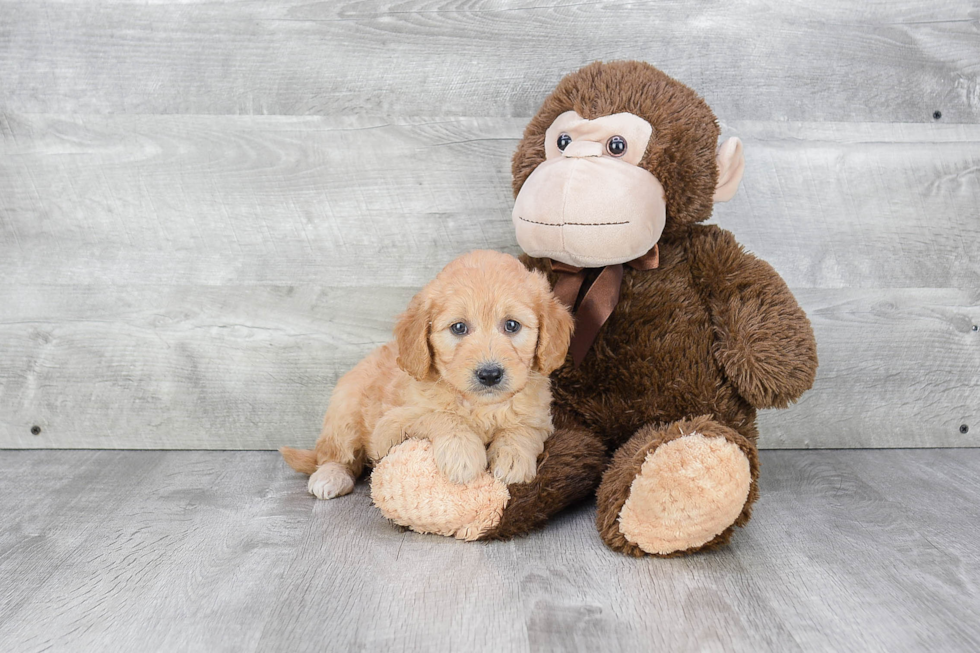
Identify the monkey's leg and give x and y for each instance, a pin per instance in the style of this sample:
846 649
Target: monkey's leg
677 489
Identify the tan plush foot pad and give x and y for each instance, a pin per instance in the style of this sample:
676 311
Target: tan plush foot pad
687 492
410 490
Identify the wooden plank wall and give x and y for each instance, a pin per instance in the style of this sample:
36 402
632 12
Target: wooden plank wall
210 210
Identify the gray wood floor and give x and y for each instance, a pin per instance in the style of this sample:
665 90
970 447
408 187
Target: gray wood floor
120 550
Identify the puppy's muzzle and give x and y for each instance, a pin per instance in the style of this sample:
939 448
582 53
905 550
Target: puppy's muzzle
489 375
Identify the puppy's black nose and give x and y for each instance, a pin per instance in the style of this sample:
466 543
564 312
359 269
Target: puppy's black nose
490 375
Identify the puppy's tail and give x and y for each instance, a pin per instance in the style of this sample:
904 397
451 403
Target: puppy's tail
302 460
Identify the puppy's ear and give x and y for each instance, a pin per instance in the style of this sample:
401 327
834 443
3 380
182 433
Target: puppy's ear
554 332
412 336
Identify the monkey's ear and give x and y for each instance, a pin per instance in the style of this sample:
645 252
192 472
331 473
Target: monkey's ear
731 165
412 337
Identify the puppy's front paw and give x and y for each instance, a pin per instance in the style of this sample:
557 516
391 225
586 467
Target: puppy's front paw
379 445
460 457
389 431
511 465
330 480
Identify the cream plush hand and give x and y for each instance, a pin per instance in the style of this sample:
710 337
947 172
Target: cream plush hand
409 489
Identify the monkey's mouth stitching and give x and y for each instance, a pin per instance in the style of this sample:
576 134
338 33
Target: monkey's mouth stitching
576 224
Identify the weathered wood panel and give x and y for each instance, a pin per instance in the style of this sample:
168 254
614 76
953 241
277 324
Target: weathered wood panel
174 277
211 200
898 368
252 367
861 205
881 62
180 367
846 551
115 229
357 201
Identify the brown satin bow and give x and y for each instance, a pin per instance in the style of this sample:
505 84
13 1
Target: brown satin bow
599 300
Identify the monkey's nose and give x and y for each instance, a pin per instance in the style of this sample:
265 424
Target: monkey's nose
490 375
581 149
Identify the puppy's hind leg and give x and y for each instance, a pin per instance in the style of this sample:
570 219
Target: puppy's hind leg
331 480
327 481
339 460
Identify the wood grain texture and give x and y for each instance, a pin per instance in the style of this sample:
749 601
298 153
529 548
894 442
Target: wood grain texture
203 551
860 205
174 276
232 367
352 202
211 200
203 281
898 368
758 60
181 367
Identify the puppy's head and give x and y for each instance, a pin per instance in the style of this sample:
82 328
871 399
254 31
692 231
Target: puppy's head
484 325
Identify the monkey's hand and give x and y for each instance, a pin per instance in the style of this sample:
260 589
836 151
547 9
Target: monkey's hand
763 339
411 491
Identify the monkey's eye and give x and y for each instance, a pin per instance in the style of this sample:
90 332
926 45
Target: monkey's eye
563 141
512 326
459 329
616 146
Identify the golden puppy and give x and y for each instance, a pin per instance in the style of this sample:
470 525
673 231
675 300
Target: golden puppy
468 370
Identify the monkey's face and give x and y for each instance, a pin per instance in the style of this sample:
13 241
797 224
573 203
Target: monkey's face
619 156
589 203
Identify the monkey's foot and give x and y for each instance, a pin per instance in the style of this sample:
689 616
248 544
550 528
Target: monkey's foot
677 491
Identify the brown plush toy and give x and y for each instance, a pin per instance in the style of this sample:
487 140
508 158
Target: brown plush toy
680 334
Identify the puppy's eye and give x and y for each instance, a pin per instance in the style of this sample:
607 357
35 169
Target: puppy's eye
512 326
459 329
563 141
616 146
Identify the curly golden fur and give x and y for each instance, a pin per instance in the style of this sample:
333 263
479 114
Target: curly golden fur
428 383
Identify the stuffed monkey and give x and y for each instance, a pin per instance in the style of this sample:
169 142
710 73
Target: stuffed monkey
680 335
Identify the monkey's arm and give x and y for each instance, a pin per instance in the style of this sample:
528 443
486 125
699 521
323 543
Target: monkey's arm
763 339
408 488
569 469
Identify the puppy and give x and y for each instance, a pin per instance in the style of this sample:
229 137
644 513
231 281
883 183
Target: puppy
468 370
